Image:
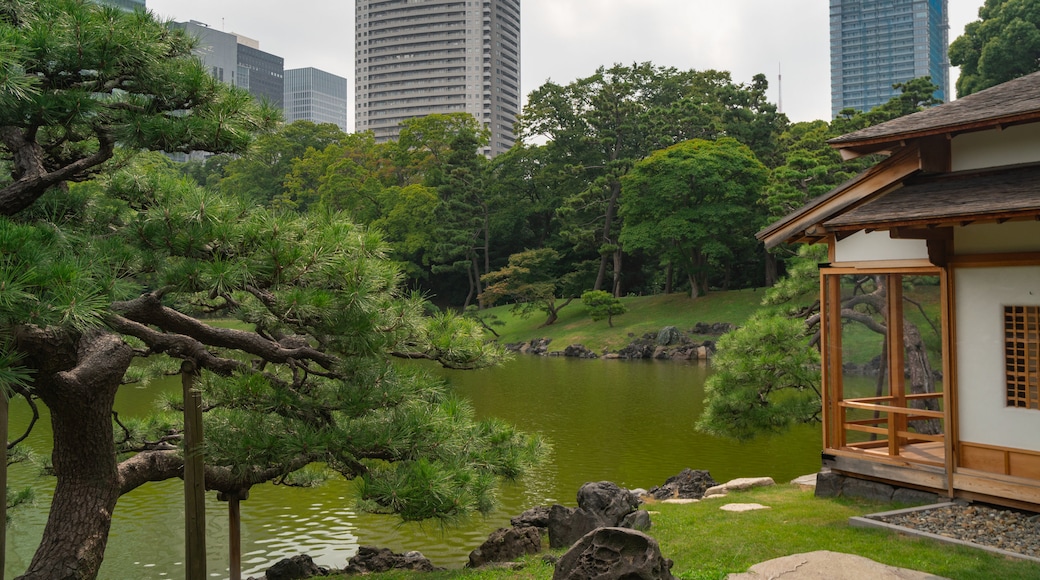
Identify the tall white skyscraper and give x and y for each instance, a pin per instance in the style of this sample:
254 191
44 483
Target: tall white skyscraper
418 57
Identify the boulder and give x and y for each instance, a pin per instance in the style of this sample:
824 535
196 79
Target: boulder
690 484
507 544
537 516
607 499
614 554
295 568
568 525
579 351
669 336
370 559
637 520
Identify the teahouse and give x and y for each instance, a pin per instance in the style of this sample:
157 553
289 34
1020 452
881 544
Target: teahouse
956 203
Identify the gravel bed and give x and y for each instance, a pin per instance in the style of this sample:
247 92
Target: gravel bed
1005 529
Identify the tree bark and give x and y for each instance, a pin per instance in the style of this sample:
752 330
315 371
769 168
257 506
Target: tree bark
77 378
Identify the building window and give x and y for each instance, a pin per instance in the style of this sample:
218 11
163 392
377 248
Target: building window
1022 356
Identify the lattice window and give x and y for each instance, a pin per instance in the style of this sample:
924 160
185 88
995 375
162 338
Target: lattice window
1022 355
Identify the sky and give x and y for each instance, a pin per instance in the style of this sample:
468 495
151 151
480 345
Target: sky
564 40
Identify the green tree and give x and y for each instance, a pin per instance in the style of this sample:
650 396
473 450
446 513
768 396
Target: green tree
1003 44
693 204
602 305
262 172
531 281
100 273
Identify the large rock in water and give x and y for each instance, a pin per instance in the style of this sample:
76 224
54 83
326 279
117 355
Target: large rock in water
690 484
507 544
295 568
370 559
538 516
614 554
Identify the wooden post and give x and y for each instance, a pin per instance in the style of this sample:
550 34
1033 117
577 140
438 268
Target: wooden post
194 477
234 530
896 361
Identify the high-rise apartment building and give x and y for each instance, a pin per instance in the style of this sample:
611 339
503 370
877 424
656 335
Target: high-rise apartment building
876 43
237 60
418 57
315 95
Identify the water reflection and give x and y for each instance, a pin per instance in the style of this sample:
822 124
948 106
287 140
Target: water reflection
627 422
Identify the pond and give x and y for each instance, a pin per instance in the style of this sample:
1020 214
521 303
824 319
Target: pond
630 422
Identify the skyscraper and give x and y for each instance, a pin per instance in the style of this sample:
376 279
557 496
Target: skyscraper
876 43
237 60
315 95
417 57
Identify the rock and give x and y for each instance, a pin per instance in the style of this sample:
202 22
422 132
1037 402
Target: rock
537 346
828 483
295 568
690 484
669 336
743 507
873 490
740 485
370 559
805 481
679 501
579 351
507 544
568 525
614 554
637 520
714 329
608 500
537 516
829 565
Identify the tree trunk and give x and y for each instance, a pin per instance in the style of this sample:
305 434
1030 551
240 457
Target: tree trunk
669 278
617 273
608 221
77 378
771 275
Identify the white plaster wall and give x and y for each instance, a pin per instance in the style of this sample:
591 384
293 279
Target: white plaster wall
992 148
981 295
861 246
997 238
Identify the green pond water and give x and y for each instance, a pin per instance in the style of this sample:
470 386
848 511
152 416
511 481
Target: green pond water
630 422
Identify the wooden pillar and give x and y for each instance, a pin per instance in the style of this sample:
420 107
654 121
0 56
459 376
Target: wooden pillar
234 530
830 361
896 360
194 477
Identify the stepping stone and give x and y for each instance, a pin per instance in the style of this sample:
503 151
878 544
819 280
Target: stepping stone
680 501
743 507
805 481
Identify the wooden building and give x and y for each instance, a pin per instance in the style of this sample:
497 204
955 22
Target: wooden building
955 205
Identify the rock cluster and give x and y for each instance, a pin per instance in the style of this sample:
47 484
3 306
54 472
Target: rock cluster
370 559
668 343
614 553
689 484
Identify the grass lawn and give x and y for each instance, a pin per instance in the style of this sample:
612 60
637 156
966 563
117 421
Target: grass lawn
706 543
645 314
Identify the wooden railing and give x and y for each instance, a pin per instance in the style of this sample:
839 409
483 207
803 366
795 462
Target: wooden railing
896 420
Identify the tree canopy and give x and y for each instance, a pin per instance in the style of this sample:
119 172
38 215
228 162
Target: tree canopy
1003 44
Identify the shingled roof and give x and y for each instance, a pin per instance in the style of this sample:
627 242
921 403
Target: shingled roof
1015 101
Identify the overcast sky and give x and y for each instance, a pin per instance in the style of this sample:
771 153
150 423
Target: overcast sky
563 40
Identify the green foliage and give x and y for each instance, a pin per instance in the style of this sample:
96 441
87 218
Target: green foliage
1003 44
602 305
693 204
766 380
531 281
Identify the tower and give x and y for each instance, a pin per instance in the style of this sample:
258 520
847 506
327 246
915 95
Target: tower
315 95
876 43
418 57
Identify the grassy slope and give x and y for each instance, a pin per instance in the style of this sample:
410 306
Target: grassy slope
645 314
706 543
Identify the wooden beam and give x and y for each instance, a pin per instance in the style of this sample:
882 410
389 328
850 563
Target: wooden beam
194 477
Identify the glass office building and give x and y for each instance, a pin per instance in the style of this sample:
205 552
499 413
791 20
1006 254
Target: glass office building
418 57
237 60
315 95
877 43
